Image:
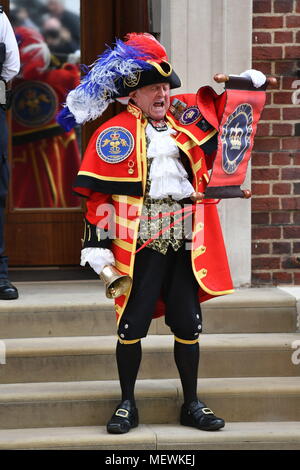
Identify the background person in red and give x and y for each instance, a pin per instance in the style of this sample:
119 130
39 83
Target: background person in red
9 67
46 158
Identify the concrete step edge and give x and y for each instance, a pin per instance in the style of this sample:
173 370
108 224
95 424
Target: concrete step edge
148 388
86 345
275 435
79 295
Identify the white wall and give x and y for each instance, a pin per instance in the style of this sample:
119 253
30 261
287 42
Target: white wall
204 37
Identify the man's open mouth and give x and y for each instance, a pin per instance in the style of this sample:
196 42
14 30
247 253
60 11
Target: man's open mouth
159 104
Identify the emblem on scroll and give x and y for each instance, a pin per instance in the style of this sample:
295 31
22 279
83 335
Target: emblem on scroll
236 137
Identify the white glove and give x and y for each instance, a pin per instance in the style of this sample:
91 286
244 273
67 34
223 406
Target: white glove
257 77
97 258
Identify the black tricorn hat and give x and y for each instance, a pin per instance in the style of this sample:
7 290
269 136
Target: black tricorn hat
138 61
158 73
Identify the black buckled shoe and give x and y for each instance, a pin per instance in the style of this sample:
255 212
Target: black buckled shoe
124 418
7 290
199 416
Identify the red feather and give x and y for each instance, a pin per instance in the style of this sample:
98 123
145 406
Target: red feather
148 45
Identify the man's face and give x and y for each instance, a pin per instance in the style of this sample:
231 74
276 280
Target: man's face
153 100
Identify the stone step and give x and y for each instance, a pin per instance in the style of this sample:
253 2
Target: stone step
80 308
235 436
92 403
93 357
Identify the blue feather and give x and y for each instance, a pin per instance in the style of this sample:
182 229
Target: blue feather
99 86
66 119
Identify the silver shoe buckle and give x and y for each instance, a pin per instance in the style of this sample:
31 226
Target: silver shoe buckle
122 412
207 411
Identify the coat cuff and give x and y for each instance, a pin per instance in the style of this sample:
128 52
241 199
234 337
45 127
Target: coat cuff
95 236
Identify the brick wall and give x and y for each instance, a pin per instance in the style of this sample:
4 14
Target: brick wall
276 156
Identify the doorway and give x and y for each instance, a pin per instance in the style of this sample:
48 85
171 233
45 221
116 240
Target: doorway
44 220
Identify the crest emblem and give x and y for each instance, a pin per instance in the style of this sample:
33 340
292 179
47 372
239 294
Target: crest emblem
236 137
34 103
190 115
132 80
114 144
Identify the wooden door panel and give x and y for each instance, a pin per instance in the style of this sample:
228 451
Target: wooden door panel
47 239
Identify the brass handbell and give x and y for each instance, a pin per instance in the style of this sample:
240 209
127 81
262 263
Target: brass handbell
116 284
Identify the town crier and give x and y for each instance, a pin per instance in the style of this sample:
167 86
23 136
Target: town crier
144 176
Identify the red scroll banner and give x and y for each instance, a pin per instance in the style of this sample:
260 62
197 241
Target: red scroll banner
236 131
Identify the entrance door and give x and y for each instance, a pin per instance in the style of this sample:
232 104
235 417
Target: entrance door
44 219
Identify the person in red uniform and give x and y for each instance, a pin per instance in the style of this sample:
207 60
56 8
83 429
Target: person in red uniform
46 158
9 68
144 175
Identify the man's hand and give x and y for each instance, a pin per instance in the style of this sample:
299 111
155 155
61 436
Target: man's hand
196 196
257 77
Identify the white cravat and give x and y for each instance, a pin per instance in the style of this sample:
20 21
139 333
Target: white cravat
167 174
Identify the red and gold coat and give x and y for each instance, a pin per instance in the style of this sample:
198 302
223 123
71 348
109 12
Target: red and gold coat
123 184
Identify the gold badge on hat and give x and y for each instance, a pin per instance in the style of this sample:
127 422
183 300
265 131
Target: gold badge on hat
132 80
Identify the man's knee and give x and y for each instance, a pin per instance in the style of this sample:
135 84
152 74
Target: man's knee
132 329
188 331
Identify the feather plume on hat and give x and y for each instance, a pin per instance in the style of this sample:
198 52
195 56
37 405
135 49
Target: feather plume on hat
104 79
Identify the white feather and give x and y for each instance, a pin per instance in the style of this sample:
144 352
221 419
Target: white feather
98 89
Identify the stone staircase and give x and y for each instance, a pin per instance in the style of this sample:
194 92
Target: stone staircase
58 376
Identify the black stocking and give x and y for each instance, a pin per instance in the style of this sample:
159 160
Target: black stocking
187 361
128 360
